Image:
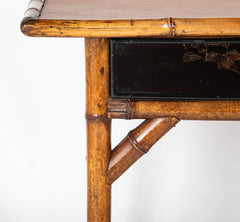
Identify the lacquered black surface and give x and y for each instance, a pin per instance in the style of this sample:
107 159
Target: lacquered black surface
170 69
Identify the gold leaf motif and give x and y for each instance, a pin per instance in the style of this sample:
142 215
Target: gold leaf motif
212 57
234 55
229 60
191 57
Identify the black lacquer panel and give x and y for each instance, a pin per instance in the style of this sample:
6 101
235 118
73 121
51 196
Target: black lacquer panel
175 69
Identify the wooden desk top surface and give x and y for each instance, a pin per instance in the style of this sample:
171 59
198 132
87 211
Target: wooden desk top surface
133 18
138 9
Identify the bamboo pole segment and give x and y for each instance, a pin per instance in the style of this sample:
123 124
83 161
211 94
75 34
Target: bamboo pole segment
183 110
136 144
141 28
98 129
205 27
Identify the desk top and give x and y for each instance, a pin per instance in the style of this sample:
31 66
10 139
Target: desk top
133 18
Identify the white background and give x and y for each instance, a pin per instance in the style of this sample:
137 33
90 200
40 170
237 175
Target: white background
192 174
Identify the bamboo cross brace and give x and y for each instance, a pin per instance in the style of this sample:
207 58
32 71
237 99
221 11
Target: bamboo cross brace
183 110
136 144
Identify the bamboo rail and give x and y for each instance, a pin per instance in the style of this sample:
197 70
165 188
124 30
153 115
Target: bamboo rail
142 28
137 143
183 110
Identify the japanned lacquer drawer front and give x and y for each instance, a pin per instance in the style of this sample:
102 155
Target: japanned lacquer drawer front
175 69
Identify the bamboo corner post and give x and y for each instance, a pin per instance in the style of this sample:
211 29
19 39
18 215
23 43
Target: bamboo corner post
98 129
104 165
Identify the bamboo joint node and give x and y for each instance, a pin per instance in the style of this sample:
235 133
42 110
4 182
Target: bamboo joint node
135 144
119 109
97 117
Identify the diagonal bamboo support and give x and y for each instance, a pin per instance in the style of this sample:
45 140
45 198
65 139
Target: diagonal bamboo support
136 144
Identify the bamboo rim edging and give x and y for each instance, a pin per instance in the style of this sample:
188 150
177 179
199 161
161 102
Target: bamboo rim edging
183 110
140 28
33 12
137 143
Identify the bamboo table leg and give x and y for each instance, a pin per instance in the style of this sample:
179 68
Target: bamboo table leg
98 129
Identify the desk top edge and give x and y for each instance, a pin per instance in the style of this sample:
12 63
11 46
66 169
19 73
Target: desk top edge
157 28
34 25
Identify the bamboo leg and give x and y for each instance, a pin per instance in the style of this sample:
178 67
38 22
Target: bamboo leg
98 129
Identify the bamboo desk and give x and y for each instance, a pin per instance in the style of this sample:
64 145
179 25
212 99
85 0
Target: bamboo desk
193 29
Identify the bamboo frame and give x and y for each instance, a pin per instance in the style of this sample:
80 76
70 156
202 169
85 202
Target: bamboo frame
106 166
183 110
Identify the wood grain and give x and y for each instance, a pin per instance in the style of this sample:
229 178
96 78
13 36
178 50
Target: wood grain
138 9
136 144
98 129
183 110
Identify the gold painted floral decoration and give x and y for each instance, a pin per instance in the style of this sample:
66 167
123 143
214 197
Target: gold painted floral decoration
229 59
